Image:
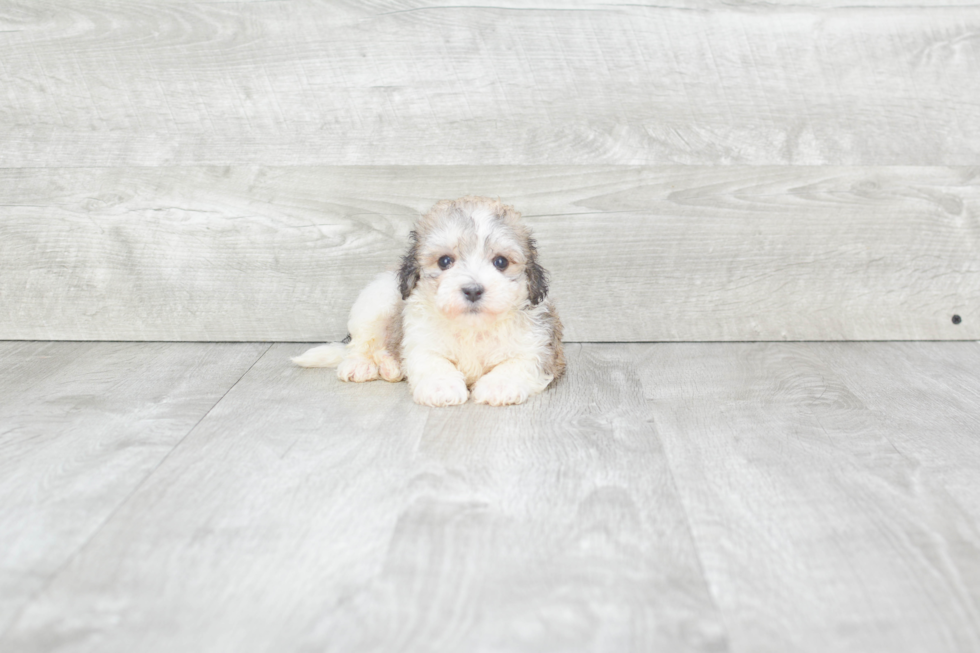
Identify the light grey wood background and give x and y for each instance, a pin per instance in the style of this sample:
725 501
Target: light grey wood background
664 253
421 82
81 426
694 170
744 497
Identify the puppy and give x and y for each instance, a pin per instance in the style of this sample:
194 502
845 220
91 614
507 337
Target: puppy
466 314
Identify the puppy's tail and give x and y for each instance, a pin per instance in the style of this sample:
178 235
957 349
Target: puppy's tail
329 355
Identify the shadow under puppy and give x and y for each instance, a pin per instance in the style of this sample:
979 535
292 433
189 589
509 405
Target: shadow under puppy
467 312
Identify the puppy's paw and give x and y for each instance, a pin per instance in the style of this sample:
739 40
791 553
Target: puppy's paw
496 391
388 366
440 391
357 369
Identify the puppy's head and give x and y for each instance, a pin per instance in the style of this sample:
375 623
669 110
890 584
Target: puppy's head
473 257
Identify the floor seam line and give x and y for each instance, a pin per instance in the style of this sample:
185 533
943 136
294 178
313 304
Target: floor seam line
64 565
688 526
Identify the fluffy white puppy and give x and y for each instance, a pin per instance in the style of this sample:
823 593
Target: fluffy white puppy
467 313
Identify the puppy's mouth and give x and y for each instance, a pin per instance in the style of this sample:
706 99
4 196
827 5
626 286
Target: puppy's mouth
471 302
470 310
464 312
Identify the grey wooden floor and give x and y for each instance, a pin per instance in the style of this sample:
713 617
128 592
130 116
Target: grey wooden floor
707 497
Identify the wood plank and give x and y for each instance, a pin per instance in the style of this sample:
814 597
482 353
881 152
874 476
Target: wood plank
815 532
81 427
928 405
636 253
307 514
416 82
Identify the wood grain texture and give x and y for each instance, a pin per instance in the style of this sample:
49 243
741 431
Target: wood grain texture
822 522
82 425
705 497
928 404
418 82
635 253
306 514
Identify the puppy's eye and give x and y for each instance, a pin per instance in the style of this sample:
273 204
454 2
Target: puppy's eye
445 262
500 263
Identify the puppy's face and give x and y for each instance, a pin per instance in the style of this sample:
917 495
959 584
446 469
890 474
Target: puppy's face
471 257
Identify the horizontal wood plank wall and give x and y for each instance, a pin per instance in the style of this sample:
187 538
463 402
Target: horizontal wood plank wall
412 82
635 253
693 170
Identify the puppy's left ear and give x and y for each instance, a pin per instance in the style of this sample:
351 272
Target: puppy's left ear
537 278
409 273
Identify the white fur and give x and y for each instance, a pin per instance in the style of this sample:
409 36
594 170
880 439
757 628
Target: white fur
329 355
471 351
501 349
367 356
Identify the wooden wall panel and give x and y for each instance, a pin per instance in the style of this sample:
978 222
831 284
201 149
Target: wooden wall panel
636 253
419 83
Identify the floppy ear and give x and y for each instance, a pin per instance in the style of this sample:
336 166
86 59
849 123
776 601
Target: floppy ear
409 273
537 278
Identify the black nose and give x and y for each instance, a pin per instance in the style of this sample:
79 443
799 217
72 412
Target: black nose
473 293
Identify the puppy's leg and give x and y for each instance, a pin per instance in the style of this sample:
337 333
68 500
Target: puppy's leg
389 367
434 380
511 382
374 328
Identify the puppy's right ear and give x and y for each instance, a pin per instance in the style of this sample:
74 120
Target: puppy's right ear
409 273
537 278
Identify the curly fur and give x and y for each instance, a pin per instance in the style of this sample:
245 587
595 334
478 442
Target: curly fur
481 326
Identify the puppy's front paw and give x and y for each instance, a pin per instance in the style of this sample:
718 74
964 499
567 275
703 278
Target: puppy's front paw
388 366
496 391
440 391
357 369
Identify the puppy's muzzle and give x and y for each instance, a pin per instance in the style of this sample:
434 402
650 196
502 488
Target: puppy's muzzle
473 292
